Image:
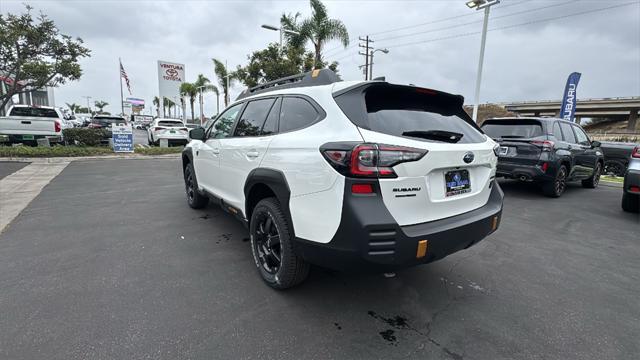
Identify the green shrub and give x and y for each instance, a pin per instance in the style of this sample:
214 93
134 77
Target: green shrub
158 150
53 151
85 136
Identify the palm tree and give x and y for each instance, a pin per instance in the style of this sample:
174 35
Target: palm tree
222 73
101 105
319 29
73 107
156 103
203 85
168 104
189 90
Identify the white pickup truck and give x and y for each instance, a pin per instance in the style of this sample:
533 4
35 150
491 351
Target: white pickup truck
26 124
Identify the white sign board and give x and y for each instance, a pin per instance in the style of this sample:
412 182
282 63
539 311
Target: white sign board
170 77
122 138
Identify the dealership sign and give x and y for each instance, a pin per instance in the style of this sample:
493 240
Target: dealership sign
122 138
170 77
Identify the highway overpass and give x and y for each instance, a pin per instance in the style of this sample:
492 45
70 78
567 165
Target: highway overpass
621 108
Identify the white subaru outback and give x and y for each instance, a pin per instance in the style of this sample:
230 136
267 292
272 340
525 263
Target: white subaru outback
362 175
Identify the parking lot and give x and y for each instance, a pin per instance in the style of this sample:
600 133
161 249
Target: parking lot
110 262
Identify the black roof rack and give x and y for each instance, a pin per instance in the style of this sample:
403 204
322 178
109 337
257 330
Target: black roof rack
311 78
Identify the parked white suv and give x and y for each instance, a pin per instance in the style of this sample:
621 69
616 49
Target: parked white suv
346 175
173 130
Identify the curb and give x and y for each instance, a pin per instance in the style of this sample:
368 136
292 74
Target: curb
55 160
611 184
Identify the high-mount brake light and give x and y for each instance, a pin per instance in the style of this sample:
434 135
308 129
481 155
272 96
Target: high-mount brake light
546 145
369 160
636 152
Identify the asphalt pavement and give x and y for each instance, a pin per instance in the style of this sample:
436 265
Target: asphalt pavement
9 167
109 262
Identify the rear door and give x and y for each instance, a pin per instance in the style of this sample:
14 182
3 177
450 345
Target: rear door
586 158
516 137
453 177
573 149
244 151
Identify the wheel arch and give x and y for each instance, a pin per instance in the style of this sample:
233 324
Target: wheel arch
187 158
262 183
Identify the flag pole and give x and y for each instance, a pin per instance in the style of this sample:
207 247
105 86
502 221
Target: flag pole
121 96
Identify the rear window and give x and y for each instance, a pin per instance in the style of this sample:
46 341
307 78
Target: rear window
33 112
514 129
171 123
416 113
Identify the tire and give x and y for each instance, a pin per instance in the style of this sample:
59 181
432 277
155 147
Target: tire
556 188
195 199
630 203
614 167
272 246
594 180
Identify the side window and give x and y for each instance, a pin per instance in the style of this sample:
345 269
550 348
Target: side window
583 139
296 113
222 127
568 133
253 117
271 125
556 131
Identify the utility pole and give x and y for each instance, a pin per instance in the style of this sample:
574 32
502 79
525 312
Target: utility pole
201 104
88 104
366 54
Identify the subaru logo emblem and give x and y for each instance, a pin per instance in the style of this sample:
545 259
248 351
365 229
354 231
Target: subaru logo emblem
468 157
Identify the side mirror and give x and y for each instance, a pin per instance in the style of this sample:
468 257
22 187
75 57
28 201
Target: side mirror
595 144
197 134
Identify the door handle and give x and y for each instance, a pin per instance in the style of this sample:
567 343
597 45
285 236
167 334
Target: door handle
253 154
215 150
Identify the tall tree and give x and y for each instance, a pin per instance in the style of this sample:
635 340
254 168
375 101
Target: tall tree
168 104
318 29
73 107
156 102
100 105
190 91
270 64
222 73
34 54
204 85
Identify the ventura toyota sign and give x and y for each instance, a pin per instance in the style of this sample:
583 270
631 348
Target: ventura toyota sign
170 77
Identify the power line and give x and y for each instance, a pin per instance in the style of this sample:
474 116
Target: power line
516 25
341 49
477 22
442 20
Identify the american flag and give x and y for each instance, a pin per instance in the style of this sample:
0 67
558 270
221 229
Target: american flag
126 78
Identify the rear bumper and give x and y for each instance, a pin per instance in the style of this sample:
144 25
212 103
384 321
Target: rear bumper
631 178
15 139
369 240
525 172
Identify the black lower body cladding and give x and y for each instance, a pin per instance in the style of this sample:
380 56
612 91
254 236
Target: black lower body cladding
369 240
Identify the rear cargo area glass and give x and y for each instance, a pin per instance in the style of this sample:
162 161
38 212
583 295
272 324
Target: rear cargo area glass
525 129
410 112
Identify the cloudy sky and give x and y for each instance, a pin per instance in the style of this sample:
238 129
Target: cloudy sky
531 48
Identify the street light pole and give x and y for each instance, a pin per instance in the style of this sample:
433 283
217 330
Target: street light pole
486 5
385 51
88 106
281 30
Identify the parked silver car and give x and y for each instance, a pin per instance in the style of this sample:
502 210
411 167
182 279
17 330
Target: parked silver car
631 187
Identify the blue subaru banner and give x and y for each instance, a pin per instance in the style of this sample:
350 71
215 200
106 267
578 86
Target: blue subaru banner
569 98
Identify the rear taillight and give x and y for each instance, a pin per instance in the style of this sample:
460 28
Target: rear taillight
636 152
58 126
158 128
546 145
368 160
362 189
634 189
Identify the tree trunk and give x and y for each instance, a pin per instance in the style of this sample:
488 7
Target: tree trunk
193 119
317 59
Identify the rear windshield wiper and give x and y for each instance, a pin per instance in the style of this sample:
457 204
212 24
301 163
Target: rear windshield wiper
438 135
512 136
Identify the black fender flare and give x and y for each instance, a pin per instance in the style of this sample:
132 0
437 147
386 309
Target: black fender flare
187 157
276 182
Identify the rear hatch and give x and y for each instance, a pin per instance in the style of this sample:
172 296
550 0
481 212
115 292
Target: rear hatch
455 174
170 130
519 139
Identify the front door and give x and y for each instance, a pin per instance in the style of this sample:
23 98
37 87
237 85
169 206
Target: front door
244 151
586 159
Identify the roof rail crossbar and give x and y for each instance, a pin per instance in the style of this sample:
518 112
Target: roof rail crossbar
311 78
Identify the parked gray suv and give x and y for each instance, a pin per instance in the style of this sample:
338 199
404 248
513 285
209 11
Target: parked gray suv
631 187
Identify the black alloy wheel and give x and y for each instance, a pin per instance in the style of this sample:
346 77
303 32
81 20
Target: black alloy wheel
194 198
267 239
558 185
